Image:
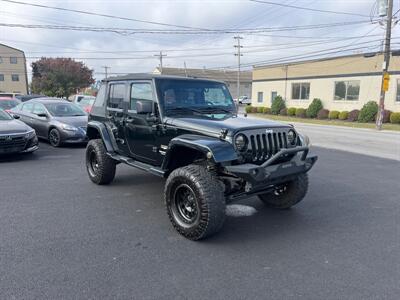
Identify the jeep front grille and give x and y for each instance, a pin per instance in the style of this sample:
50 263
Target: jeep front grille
264 145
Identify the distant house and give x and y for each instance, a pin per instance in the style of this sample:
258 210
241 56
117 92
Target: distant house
13 76
342 83
229 77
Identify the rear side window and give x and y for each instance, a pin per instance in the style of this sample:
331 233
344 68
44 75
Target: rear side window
116 95
27 107
101 95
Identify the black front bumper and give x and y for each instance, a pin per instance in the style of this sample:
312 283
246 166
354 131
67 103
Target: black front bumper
269 173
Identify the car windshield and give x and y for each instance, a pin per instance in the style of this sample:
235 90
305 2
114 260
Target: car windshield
87 101
4 116
64 110
195 97
8 104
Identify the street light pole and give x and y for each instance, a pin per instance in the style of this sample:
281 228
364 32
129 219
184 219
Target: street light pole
238 54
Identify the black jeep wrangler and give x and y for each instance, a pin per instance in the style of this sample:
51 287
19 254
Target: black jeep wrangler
187 130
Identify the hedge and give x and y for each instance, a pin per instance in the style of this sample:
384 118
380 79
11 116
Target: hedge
395 118
334 114
314 108
266 110
323 114
277 105
260 109
283 112
368 112
248 109
386 116
343 115
353 115
291 111
300 112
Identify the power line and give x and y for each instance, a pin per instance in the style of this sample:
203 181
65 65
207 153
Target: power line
100 15
310 9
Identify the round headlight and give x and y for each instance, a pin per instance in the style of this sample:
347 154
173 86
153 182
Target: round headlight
291 136
241 142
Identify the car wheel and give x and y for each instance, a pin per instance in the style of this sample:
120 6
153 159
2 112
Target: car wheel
100 167
55 138
195 202
286 195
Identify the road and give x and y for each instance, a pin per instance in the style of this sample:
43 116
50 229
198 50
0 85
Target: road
62 237
385 144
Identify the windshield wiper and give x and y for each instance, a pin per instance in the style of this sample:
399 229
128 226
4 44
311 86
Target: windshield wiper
217 109
182 108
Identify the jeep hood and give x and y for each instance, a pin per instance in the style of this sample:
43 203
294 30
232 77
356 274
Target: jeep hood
214 126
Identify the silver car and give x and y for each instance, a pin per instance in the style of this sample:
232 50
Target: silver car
55 120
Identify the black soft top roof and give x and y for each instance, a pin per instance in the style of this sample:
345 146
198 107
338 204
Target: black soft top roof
150 76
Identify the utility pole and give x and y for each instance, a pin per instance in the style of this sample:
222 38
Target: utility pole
238 54
106 70
160 57
385 67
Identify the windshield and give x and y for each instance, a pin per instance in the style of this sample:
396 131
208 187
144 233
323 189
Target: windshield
8 104
64 110
4 116
198 97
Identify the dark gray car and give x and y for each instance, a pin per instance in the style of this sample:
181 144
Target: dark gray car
56 120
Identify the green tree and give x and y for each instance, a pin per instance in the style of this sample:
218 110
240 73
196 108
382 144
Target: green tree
59 77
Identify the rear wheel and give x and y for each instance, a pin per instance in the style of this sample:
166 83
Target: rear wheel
54 137
100 167
288 194
195 202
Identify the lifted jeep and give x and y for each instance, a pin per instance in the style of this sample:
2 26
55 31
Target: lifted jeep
187 130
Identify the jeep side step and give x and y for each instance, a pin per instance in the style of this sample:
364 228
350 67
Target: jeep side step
137 164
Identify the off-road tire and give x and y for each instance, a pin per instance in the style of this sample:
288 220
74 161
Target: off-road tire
54 137
208 196
100 167
294 192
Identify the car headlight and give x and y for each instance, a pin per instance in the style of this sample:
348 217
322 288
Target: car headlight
69 127
30 134
241 142
291 136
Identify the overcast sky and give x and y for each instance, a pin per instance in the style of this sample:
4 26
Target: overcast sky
210 50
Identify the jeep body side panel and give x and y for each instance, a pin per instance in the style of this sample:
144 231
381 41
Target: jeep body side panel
101 129
221 151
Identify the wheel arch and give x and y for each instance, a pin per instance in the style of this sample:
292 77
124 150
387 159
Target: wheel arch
97 130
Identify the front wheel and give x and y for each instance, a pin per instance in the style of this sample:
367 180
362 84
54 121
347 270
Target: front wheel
288 194
195 202
100 167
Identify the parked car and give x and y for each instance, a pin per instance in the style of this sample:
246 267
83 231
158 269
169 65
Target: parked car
188 131
10 95
8 103
244 100
78 98
86 103
16 136
55 120
25 98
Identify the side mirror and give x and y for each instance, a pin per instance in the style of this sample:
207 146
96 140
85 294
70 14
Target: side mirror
42 115
144 107
15 116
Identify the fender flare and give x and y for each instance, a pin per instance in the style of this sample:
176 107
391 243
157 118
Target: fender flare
222 151
102 130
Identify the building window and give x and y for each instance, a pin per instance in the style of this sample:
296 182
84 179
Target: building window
398 91
13 60
260 96
347 90
15 77
1 77
301 91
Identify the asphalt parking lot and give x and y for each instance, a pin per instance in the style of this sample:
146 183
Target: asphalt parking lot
62 237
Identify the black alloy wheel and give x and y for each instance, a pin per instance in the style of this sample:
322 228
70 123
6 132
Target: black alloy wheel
54 137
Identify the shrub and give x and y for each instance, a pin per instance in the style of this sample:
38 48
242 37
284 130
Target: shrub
353 115
334 114
277 105
300 112
386 116
248 109
291 111
368 112
266 110
343 115
260 110
395 118
323 114
254 109
314 108
283 112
